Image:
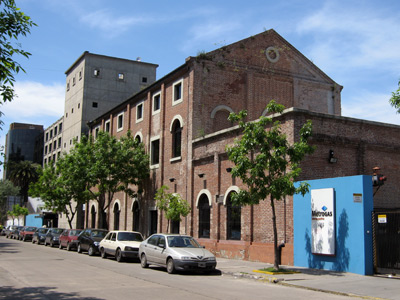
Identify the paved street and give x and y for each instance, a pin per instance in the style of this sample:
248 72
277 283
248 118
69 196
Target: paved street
29 271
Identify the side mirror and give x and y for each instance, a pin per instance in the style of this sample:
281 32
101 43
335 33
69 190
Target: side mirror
161 245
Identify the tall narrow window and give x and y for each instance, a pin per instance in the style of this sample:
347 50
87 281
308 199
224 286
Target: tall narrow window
176 139
156 103
107 126
155 152
136 216
116 216
139 112
204 217
93 216
233 218
177 92
120 122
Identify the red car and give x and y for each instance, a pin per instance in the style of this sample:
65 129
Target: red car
26 233
68 239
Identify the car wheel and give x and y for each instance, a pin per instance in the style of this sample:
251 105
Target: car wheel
91 251
143 261
24 239
68 247
103 253
170 266
33 241
79 248
45 243
51 244
118 255
59 246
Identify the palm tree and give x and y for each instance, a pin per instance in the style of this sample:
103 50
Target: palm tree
22 174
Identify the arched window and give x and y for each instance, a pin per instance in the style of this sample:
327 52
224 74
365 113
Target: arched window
233 220
116 216
93 216
138 138
204 217
176 138
136 216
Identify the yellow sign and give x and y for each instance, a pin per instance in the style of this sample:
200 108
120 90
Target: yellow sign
382 219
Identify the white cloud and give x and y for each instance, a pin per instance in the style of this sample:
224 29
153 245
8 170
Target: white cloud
353 36
209 33
371 106
35 100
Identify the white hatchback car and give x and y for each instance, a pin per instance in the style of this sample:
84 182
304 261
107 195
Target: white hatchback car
121 244
176 252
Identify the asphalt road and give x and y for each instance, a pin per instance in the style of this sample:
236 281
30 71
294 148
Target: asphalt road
30 271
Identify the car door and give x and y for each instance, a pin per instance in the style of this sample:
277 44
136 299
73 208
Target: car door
85 239
150 248
113 243
106 242
159 251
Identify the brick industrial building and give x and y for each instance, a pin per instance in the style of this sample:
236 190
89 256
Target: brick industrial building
182 120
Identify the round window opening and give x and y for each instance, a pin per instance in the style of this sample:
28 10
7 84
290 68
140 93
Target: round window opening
272 54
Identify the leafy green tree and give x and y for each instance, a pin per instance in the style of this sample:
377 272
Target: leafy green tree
7 188
62 187
266 163
13 24
172 204
109 166
17 211
22 174
395 99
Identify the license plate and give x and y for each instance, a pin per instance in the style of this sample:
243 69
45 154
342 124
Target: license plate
202 265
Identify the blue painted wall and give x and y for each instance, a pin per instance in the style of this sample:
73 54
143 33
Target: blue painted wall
353 226
34 220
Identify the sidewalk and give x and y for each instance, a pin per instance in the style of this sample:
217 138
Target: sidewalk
349 284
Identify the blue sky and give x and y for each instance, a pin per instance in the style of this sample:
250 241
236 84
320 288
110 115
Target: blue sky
356 43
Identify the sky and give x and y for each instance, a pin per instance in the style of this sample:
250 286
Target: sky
356 43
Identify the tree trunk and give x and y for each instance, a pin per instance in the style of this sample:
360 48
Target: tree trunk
276 250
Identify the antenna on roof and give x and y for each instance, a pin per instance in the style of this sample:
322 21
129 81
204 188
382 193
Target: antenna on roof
139 58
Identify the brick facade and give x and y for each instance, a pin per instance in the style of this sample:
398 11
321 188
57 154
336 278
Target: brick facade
244 75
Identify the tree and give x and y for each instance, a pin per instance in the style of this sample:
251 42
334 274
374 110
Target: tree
395 99
22 174
17 211
110 166
13 24
172 204
7 188
266 163
60 185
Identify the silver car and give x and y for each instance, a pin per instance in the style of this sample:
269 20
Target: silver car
176 253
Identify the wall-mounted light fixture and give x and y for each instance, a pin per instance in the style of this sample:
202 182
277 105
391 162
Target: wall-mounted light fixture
229 170
201 175
332 159
172 179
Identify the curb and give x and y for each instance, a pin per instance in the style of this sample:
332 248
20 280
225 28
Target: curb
281 281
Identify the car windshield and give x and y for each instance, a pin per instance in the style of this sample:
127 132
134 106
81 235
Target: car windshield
75 232
42 230
129 236
182 242
30 229
98 233
58 230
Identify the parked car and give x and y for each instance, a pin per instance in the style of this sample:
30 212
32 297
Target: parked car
26 233
9 230
40 235
121 244
15 232
176 253
52 236
69 239
89 240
